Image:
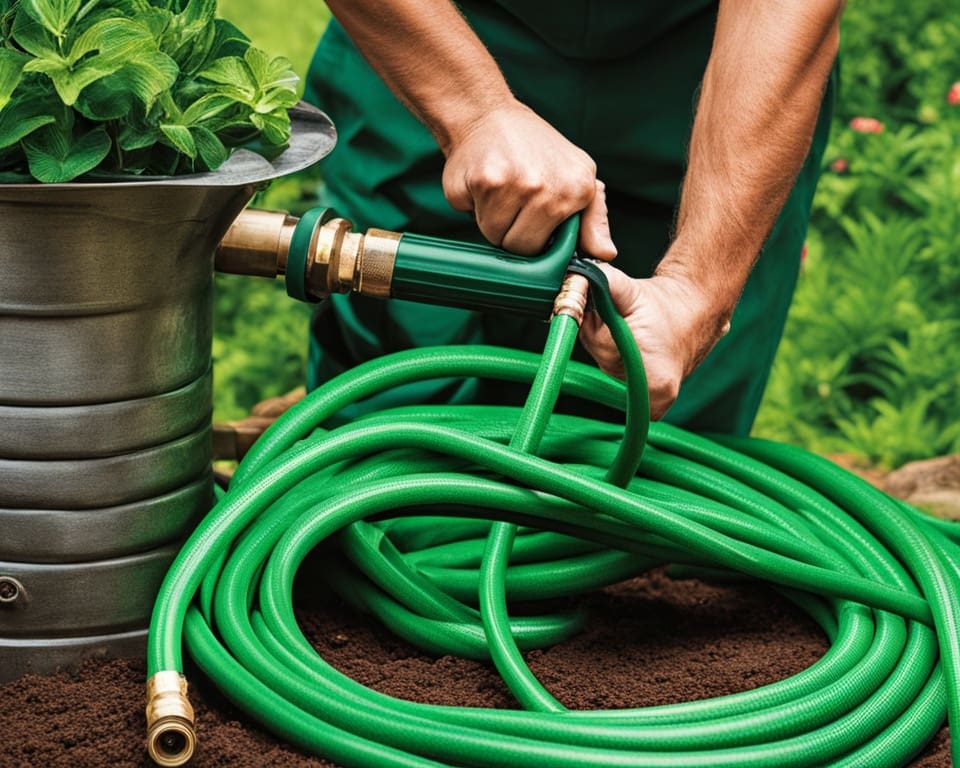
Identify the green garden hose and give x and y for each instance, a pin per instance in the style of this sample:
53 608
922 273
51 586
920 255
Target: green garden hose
408 496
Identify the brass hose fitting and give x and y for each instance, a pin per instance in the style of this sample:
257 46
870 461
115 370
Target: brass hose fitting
572 298
336 260
171 738
345 261
256 244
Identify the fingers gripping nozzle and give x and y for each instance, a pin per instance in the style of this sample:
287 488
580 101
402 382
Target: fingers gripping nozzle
320 255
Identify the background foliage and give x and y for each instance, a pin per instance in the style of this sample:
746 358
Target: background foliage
870 363
260 337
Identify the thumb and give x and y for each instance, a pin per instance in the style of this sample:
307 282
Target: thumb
624 290
595 239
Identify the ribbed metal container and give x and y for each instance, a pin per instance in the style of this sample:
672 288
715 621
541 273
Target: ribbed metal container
106 322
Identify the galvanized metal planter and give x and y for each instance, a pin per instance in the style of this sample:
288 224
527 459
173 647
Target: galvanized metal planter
106 322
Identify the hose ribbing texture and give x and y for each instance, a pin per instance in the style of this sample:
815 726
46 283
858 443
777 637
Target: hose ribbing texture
446 521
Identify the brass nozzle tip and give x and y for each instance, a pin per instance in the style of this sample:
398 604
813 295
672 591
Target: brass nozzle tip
171 738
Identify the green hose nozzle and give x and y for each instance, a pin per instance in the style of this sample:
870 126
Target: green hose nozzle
320 255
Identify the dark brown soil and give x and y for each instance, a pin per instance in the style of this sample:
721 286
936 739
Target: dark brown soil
649 641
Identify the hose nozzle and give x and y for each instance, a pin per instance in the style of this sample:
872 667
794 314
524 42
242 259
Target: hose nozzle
171 738
319 256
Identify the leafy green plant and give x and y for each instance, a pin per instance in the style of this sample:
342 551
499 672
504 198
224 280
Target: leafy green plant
898 59
870 363
156 87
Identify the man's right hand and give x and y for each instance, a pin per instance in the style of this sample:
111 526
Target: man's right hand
521 179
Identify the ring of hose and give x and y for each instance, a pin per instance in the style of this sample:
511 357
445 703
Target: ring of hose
408 494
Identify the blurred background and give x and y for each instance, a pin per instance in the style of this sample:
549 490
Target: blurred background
870 364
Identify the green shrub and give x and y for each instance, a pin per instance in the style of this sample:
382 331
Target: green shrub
870 362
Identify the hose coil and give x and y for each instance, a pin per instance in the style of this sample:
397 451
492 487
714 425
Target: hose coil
409 494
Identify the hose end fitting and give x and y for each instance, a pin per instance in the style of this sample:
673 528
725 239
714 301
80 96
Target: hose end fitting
572 298
343 261
256 244
171 738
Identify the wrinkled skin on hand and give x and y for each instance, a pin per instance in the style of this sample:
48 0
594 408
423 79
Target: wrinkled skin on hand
672 322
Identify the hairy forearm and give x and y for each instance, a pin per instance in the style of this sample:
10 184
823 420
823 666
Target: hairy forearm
757 111
427 54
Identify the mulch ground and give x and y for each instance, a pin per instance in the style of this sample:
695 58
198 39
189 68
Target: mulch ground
649 641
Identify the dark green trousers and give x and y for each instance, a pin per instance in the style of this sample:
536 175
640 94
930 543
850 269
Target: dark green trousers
619 79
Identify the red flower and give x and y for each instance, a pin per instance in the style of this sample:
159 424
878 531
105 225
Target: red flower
953 95
803 253
840 165
866 125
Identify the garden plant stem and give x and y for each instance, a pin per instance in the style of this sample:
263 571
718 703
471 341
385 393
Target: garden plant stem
396 508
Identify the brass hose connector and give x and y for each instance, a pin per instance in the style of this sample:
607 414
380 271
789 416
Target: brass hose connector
256 244
343 261
572 298
337 260
171 738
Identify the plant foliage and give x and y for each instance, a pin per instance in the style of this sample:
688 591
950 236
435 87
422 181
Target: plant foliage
870 363
154 87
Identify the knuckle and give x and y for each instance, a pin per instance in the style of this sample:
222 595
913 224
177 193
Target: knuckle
489 177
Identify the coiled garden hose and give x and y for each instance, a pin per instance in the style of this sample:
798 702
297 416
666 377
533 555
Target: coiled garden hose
408 495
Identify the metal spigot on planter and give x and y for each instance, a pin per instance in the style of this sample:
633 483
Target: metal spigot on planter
106 308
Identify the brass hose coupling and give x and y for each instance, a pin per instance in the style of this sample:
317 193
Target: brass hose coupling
171 738
572 298
319 254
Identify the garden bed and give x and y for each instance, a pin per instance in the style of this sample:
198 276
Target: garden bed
649 641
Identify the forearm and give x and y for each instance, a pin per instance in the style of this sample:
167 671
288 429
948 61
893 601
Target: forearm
425 51
757 111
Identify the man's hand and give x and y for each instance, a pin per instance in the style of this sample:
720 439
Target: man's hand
674 324
516 173
521 179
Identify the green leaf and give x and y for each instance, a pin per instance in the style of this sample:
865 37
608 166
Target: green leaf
209 147
118 41
198 13
206 108
227 40
181 138
55 155
69 82
18 121
11 71
107 99
135 135
30 35
157 20
54 15
274 126
270 73
194 33
234 75
85 10
122 45
148 76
